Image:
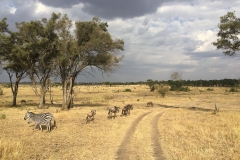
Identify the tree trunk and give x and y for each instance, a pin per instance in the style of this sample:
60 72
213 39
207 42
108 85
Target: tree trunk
41 101
68 93
64 88
14 102
42 94
14 87
15 92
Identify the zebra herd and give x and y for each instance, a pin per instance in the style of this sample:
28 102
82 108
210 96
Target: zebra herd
46 118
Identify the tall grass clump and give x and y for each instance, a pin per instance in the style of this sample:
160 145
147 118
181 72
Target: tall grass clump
11 150
1 91
128 90
3 116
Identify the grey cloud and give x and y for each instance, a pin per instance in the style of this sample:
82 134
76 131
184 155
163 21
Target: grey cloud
60 3
204 55
142 30
110 9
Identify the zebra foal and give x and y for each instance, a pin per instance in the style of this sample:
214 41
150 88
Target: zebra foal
40 119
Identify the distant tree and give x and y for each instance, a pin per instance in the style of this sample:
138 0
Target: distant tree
228 34
176 76
176 81
151 84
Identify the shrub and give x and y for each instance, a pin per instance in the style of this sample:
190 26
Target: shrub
7 85
128 90
233 89
184 89
163 90
210 89
1 91
3 116
175 85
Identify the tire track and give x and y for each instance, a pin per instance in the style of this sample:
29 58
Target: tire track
123 152
158 153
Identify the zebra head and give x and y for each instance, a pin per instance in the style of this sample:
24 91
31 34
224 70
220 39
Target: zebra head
27 115
93 112
117 108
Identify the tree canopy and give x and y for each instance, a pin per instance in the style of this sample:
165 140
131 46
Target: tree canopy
52 45
229 30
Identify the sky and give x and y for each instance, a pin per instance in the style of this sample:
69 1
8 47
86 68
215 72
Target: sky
161 36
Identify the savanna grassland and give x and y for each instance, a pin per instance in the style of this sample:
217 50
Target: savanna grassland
179 126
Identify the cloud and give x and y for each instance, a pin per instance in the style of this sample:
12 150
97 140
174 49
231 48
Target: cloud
109 9
160 36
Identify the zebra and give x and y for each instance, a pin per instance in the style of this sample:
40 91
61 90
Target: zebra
40 119
114 110
126 109
91 115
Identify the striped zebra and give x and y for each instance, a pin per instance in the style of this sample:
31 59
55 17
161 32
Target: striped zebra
114 110
90 116
40 119
126 109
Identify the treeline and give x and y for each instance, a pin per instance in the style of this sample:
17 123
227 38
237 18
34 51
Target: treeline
189 83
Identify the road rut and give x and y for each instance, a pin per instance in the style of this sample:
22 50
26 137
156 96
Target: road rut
141 140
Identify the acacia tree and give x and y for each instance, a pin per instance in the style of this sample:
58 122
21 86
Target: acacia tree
11 58
176 81
91 46
229 30
39 40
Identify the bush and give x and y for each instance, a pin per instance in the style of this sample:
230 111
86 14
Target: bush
1 91
233 89
175 85
163 90
7 85
3 116
184 89
128 90
210 89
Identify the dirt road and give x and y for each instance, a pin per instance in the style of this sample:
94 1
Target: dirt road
142 139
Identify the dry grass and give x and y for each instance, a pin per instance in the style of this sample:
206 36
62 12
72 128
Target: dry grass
184 133
200 135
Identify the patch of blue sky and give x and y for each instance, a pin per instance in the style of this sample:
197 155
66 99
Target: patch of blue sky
12 7
153 25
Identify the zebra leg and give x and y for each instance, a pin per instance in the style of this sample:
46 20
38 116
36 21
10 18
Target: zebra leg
55 123
35 126
40 127
49 126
